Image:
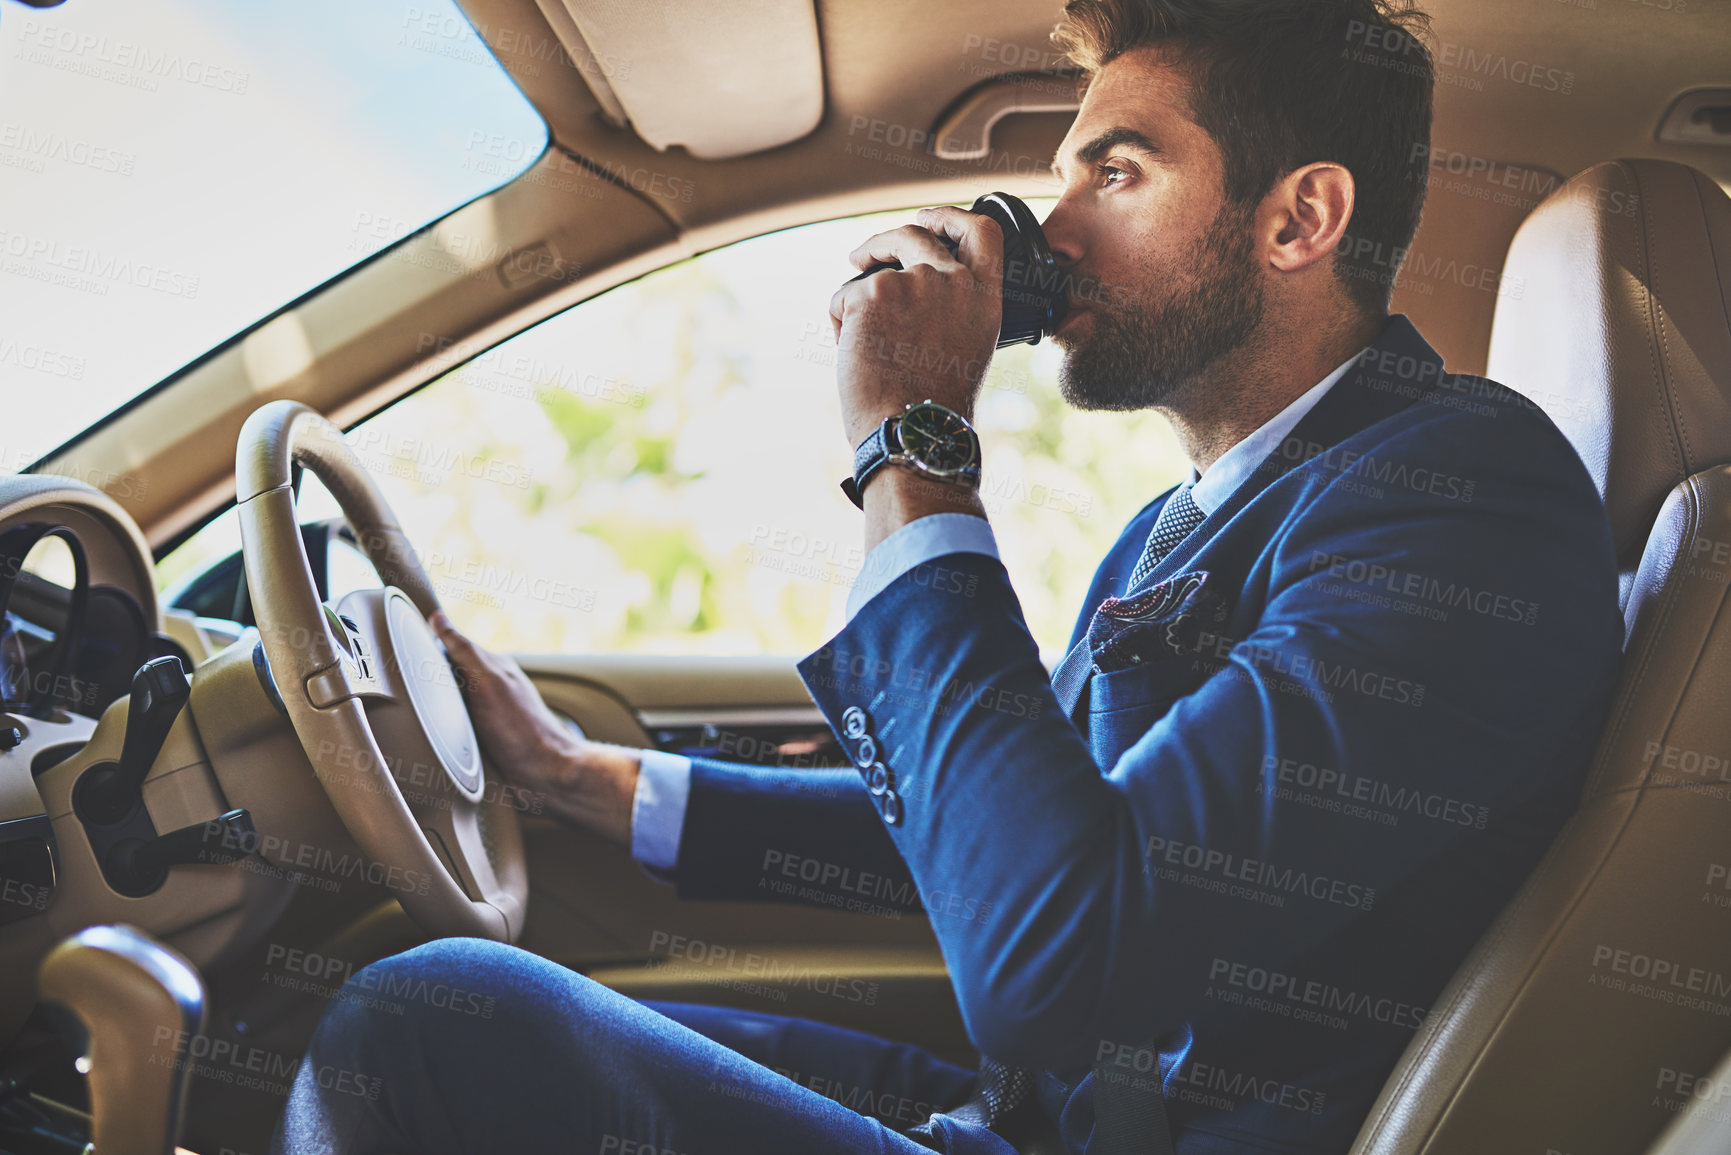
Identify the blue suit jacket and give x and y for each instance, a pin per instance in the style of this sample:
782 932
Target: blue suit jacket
1311 765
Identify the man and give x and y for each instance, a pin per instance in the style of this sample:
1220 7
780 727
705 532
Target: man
1327 702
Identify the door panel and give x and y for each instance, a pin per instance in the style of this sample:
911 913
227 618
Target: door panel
593 908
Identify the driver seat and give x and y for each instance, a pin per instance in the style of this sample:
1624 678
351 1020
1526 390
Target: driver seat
1606 983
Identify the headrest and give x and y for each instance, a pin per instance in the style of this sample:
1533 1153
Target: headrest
1614 319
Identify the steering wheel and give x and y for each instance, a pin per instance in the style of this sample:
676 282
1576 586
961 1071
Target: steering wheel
368 690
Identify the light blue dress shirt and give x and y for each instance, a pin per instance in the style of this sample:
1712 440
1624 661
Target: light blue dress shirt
664 784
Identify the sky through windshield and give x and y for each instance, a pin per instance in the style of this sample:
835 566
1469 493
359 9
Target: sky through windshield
172 172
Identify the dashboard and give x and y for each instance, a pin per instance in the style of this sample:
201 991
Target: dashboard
72 632
131 792
71 648
73 627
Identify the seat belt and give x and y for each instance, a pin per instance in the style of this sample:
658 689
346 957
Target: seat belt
1071 675
1129 1115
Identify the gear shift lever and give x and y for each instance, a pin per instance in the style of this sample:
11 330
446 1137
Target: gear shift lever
141 1003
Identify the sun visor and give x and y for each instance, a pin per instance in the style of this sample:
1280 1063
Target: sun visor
722 78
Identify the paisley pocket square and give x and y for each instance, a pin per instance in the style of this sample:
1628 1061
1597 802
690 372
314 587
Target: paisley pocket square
1161 621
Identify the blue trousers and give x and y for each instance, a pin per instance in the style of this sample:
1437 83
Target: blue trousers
466 1046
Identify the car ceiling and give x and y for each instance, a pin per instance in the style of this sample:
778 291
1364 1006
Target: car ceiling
888 66
901 62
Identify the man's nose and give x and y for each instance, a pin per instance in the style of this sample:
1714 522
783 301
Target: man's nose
1063 232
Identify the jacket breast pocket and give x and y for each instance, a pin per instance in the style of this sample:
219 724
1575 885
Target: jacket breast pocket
1123 704
1145 659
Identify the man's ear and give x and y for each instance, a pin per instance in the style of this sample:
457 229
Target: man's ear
1306 212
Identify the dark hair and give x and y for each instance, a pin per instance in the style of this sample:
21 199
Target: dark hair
1279 84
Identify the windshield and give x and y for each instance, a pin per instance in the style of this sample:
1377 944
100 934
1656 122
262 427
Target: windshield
172 172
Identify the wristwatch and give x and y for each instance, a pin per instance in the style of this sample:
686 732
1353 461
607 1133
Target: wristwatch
931 439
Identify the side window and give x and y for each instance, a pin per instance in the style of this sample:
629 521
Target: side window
655 470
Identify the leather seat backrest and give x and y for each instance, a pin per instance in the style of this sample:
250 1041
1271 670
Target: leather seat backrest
1608 978
1703 1123
1613 321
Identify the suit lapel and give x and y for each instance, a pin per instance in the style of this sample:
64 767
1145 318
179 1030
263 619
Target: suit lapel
1396 371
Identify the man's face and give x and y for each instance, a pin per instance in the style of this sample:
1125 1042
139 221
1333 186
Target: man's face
1165 272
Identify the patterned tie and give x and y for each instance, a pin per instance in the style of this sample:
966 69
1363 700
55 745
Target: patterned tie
1177 518
1002 1089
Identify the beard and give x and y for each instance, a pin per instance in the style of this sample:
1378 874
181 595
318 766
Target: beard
1143 352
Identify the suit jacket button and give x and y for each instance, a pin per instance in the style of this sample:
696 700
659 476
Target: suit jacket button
877 778
892 804
853 722
867 752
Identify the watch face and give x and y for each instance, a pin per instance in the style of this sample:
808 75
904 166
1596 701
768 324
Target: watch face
938 439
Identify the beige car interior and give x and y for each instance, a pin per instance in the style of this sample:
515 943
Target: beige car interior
1624 331
1603 298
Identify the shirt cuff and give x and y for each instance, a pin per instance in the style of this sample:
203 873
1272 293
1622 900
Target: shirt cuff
915 544
658 808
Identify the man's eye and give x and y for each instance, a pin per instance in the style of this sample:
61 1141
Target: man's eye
1106 171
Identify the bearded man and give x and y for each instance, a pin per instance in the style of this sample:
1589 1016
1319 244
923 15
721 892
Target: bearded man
1326 702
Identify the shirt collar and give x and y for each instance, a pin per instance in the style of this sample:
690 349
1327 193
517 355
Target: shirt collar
1236 465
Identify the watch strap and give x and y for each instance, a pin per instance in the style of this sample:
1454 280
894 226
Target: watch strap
869 456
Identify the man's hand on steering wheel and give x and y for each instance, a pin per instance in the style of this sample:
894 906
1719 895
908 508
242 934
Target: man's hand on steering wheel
590 783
